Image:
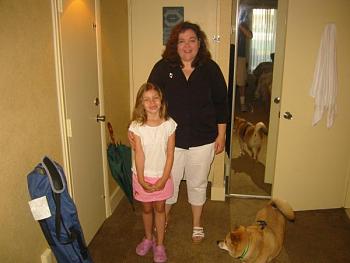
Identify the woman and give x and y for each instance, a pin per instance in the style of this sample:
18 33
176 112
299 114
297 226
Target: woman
196 93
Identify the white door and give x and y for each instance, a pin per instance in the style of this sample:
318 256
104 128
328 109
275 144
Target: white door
312 163
80 74
147 31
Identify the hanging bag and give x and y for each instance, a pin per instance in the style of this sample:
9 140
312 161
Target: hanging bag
58 217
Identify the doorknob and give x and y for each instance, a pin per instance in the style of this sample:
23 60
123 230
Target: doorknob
277 100
101 118
287 115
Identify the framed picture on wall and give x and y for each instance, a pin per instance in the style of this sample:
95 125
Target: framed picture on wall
171 17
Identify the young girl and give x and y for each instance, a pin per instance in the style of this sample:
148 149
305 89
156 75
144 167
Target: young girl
154 133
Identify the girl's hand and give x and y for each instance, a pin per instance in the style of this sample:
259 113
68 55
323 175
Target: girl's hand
160 184
146 186
149 188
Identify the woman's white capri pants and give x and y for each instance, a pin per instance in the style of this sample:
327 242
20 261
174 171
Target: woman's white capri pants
193 165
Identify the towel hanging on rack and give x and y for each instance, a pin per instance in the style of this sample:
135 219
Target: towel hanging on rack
325 83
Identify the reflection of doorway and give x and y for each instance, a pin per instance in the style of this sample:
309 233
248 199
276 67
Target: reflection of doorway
247 176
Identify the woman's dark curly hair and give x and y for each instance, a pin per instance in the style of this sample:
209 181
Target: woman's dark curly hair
170 52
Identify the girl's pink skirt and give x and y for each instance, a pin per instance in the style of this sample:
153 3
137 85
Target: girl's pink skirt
141 195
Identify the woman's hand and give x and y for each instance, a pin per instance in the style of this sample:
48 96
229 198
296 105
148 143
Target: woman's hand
219 145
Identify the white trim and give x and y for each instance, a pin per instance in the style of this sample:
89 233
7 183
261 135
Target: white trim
215 42
115 198
217 193
131 65
217 31
347 192
218 168
347 210
101 98
47 256
235 33
60 92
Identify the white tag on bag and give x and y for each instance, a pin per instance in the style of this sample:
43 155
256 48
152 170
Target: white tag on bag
40 208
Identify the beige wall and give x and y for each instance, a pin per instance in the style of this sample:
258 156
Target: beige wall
312 164
29 108
115 63
28 103
29 127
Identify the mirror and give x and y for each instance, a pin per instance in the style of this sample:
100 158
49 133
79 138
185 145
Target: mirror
249 89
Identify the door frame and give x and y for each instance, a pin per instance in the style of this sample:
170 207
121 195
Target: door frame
56 9
277 81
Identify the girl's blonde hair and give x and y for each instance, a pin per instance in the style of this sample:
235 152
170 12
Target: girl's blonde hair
139 114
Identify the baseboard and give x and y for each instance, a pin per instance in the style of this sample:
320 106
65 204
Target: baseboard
115 198
217 193
47 256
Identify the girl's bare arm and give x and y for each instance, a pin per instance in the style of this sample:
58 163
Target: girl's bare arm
140 164
168 164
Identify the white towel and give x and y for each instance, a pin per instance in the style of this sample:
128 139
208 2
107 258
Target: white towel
325 84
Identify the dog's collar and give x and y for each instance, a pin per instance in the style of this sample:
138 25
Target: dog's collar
245 251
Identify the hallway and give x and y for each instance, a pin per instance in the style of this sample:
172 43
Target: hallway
318 236
119 235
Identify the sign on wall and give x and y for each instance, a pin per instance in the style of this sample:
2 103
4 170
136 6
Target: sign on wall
171 17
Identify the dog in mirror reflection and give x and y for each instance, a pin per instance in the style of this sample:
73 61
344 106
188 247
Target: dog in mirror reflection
250 136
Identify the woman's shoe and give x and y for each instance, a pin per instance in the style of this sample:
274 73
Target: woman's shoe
143 248
159 254
197 234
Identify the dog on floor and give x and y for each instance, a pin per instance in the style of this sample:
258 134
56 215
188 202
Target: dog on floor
262 241
250 136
